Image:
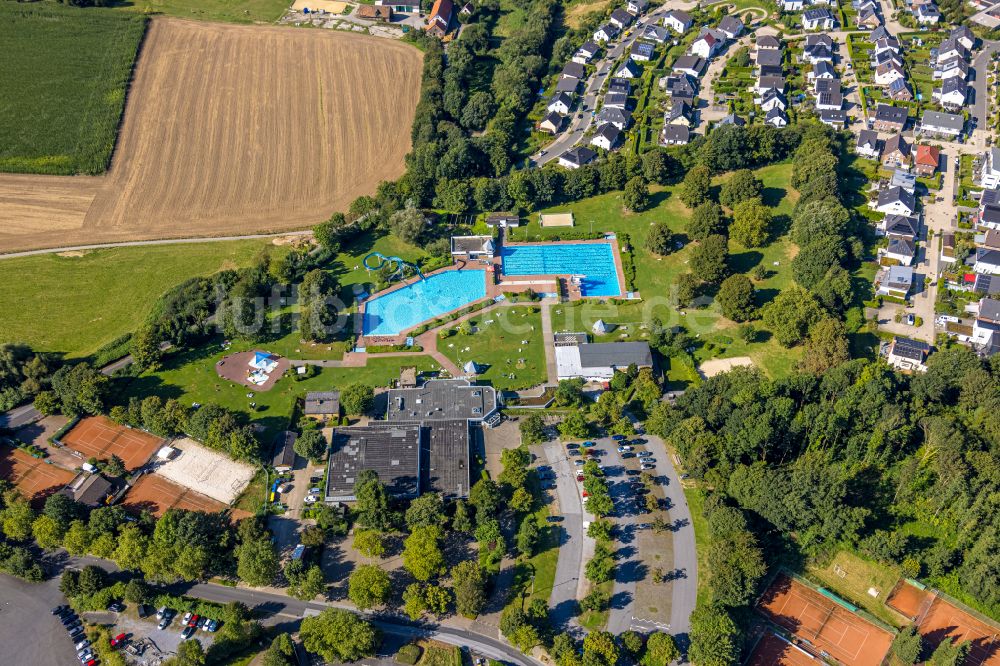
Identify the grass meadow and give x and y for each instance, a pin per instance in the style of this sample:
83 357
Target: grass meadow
64 75
74 305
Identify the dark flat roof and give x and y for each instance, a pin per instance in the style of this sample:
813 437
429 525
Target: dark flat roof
392 452
441 400
615 354
444 457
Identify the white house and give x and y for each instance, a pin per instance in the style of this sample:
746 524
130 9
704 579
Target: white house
902 250
621 18
908 355
830 101
987 261
887 73
731 26
952 48
896 201
678 21
987 322
636 7
560 103
691 65
927 14
606 33
868 144
574 158
792 5
989 173
773 100
586 53
943 124
606 137
776 117
952 93
707 44
963 36
628 70
818 19
675 135
946 69
895 281
655 33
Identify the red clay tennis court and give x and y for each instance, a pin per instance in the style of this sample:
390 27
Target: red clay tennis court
945 620
824 624
909 600
773 650
100 437
155 494
33 477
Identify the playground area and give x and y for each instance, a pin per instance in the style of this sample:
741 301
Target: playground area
35 478
939 619
254 369
822 624
100 437
773 650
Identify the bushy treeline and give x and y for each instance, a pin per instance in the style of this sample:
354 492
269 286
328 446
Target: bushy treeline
852 457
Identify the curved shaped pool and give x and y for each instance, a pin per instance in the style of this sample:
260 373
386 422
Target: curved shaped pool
398 311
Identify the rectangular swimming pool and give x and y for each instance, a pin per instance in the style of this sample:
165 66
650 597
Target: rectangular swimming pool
595 261
398 311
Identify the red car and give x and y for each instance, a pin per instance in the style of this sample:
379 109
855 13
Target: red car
579 477
117 640
193 622
92 662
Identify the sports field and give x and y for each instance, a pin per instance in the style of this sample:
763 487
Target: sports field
155 494
233 130
63 82
825 624
100 437
772 650
941 620
33 477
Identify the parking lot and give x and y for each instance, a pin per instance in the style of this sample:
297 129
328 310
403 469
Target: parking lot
29 633
161 642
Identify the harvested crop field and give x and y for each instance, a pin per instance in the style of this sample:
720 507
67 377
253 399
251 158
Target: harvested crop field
232 130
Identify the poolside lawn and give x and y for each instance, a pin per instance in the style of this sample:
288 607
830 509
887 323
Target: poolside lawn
508 340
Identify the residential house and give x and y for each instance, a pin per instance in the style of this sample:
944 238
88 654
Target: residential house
987 216
942 124
401 6
776 117
677 20
731 26
900 226
817 53
680 85
868 144
954 67
637 7
770 70
768 43
952 93
586 53
896 152
691 65
819 40
675 135
322 406
926 160
607 137
623 86
655 33
439 22
551 123
573 70
879 32
952 48
896 281
606 33
705 46
885 58
628 70
772 99
986 324
833 118
560 103
868 18
620 118
987 261
769 57
927 14
896 201
620 18
900 91
615 100
963 35
887 43
948 249
817 19
832 101
568 85
792 5
902 250
574 158
908 355
283 451
887 73
641 51
821 86
732 119
503 220
988 173
680 113
889 118
904 179
766 83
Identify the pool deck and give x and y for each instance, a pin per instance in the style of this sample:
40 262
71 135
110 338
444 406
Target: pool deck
496 284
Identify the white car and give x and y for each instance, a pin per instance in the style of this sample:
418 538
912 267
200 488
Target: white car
311 499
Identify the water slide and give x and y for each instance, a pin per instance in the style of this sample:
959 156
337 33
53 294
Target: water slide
398 263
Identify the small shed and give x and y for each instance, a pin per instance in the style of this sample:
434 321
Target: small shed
284 451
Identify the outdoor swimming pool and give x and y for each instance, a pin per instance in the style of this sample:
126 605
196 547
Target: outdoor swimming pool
595 261
400 310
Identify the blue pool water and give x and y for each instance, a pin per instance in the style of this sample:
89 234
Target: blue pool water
595 261
397 311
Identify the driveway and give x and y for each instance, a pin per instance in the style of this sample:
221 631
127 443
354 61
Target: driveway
29 633
286 527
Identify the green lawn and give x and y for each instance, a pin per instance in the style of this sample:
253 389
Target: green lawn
63 79
497 342
655 276
74 305
851 576
229 11
696 502
190 377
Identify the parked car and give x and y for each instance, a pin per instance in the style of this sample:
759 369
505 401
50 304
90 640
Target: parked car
624 448
73 628
548 485
68 619
116 607
165 612
644 454
574 452
118 640
619 438
59 610
212 626
627 454
85 657
164 623
187 633
193 622
203 623
186 618
579 463
82 644
589 444
632 472
571 445
91 662
647 466
579 477
311 499
144 610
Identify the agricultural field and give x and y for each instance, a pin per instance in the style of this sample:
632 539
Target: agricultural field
63 79
75 303
245 11
233 130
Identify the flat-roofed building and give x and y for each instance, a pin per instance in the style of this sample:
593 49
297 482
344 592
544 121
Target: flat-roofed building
442 400
598 361
392 451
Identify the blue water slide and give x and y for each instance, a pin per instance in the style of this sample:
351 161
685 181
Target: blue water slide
397 262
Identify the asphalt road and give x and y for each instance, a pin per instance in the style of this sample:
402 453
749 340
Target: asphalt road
562 602
980 64
29 633
19 417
